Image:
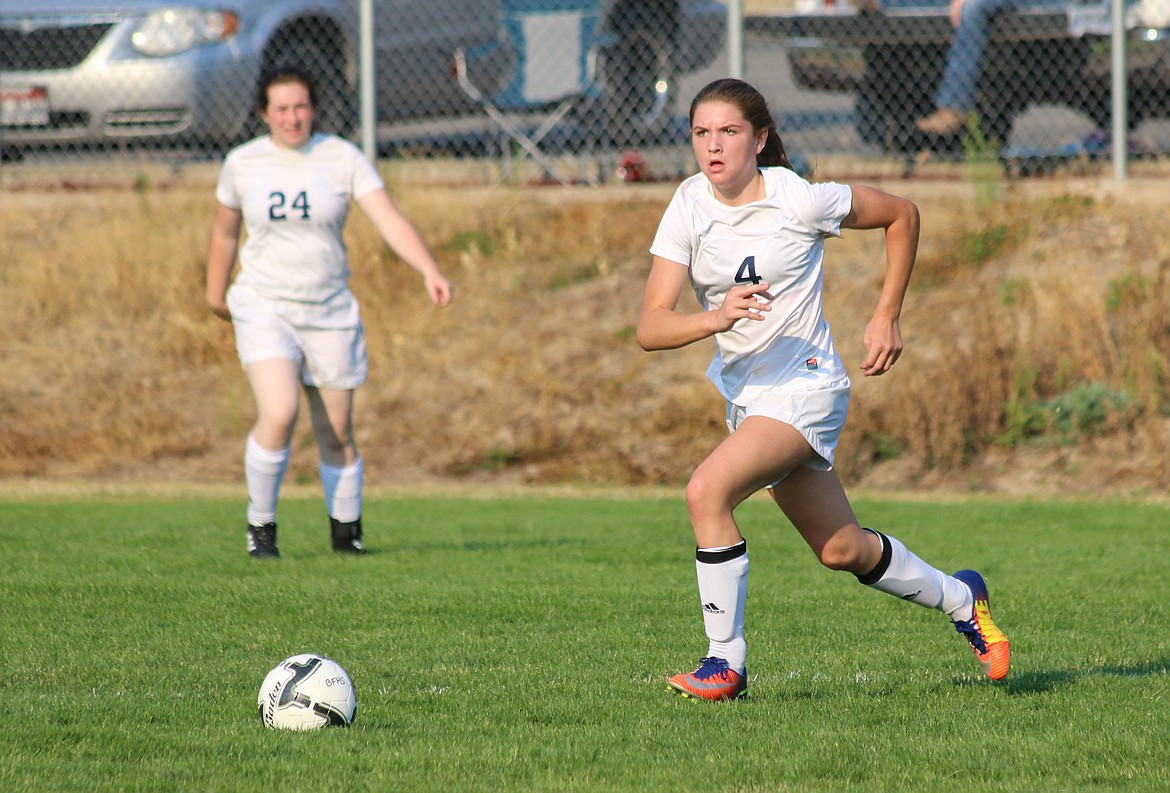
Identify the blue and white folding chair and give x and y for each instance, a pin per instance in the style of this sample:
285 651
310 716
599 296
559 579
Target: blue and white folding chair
549 44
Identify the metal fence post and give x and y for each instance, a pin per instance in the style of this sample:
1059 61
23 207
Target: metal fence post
1119 91
369 117
735 60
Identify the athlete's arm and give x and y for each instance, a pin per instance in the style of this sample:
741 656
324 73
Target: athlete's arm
662 327
404 239
221 259
874 209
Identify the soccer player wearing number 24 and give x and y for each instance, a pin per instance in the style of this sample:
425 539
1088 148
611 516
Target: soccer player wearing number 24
295 319
747 235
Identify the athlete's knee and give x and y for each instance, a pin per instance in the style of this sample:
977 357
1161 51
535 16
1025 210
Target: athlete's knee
845 551
704 494
278 411
275 427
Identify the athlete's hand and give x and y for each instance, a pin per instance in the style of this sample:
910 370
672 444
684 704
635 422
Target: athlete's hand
440 290
883 346
741 303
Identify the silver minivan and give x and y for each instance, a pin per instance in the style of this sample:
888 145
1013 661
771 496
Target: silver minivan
92 72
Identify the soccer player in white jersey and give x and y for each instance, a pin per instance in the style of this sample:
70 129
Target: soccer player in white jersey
747 235
295 319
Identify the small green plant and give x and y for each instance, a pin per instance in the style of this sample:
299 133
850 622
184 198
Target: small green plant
1085 410
142 188
1013 291
566 274
983 168
1021 421
1130 289
497 459
979 246
474 241
493 460
885 447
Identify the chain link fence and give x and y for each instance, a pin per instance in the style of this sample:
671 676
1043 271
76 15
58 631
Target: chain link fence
568 90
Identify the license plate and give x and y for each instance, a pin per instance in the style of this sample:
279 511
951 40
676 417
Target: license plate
24 107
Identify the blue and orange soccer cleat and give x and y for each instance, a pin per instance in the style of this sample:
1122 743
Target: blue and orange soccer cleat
987 641
713 681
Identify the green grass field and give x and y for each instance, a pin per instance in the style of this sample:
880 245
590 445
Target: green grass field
523 644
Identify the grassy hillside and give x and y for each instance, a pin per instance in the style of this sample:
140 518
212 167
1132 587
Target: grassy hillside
1036 337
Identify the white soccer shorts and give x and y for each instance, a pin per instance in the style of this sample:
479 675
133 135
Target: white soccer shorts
326 341
818 415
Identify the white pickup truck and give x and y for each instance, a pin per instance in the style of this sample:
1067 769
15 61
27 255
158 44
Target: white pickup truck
891 54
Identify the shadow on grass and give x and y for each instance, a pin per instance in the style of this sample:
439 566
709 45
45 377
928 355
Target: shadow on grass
1040 682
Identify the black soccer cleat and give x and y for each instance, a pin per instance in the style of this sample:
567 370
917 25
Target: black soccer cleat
347 537
262 541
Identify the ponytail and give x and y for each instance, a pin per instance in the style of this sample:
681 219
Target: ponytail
773 154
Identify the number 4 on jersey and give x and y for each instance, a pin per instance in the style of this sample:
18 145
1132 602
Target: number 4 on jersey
746 274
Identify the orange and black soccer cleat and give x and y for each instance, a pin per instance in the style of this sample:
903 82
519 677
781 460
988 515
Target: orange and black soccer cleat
987 641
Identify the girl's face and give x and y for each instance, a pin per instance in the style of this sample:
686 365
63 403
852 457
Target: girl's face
289 115
725 148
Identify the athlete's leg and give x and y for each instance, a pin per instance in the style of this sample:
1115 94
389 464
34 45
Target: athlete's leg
757 453
760 451
276 388
332 415
341 469
815 503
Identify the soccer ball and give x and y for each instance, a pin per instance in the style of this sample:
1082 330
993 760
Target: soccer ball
306 692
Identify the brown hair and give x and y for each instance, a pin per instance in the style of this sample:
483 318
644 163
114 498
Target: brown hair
755 110
280 75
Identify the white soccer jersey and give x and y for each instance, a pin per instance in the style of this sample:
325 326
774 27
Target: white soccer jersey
778 240
294 204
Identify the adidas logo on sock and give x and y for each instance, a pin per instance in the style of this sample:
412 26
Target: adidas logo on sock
711 608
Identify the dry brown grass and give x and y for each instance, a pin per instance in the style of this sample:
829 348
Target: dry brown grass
116 372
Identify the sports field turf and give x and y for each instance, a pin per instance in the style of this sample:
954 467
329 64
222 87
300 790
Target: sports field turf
523 644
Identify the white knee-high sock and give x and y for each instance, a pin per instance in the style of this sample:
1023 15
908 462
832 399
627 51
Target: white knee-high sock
264 471
902 574
723 580
343 490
